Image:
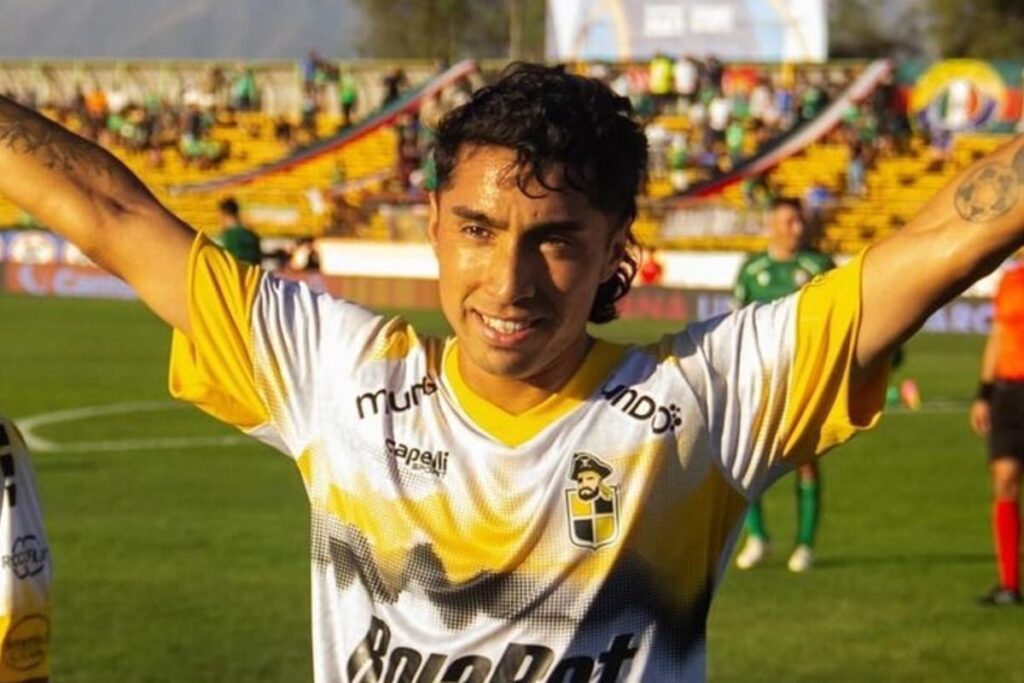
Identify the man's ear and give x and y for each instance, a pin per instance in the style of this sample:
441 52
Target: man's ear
616 251
434 218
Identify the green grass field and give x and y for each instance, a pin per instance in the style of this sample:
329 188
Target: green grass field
190 563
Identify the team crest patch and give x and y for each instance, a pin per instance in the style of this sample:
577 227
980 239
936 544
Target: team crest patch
592 504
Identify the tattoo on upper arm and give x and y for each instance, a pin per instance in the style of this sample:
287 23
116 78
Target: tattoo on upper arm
989 192
27 132
1018 165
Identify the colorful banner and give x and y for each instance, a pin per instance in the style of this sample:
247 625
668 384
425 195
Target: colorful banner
737 30
963 95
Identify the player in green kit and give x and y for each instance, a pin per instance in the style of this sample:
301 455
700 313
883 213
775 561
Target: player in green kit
785 267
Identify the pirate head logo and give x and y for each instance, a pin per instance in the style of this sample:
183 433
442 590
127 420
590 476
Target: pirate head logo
592 503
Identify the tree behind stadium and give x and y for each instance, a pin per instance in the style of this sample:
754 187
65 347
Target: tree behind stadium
983 29
450 29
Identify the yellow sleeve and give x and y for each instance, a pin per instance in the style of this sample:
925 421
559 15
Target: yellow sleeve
822 410
214 368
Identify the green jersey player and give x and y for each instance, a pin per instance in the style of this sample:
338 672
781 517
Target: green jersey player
786 266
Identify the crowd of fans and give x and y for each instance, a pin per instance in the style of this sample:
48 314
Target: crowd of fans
705 118
155 126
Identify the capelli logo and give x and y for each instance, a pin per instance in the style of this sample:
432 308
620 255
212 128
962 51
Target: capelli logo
644 408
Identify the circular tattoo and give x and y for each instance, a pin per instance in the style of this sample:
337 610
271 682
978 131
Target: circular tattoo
1018 164
987 194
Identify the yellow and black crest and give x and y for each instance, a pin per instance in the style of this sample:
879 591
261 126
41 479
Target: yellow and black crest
592 503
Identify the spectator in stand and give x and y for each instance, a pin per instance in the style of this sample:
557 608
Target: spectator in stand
686 77
409 150
239 241
735 137
760 103
889 110
96 109
658 140
819 201
283 131
713 72
856 170
244 92
393 84
117 100
719 115
348 97
310 66
660 81
310 109
785 99
813 98
998 414
678 162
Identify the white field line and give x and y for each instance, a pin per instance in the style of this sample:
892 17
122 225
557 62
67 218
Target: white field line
38 444
930 408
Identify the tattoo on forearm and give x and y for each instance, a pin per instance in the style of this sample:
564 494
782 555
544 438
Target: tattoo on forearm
26 132
991 191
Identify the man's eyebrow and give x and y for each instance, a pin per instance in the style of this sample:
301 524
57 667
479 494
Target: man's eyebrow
478 217
555 225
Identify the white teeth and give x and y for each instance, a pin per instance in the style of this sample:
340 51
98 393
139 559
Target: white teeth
504 326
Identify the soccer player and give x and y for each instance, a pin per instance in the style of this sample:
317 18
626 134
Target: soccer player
239 240
998 413
787 265
456 534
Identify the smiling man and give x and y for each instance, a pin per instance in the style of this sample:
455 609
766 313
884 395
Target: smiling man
454 537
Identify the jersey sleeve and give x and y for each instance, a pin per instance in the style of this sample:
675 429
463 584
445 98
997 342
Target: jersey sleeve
253 359
776 379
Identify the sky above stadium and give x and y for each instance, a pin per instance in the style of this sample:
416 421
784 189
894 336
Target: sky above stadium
201 29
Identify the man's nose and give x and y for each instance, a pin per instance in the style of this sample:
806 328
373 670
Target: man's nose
512 272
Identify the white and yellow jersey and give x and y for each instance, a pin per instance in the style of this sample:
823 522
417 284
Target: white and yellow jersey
578 541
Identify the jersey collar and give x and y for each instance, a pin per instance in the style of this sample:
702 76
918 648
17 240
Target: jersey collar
515 430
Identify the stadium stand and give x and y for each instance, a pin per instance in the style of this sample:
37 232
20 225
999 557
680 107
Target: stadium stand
372 187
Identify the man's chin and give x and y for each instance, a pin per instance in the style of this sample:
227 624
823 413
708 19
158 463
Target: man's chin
509 363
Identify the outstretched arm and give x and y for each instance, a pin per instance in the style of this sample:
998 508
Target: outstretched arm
963 233
84 193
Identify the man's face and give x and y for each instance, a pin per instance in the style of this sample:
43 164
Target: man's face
518 272
588 484
787 229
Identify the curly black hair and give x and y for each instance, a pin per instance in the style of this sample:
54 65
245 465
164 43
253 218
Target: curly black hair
553 118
